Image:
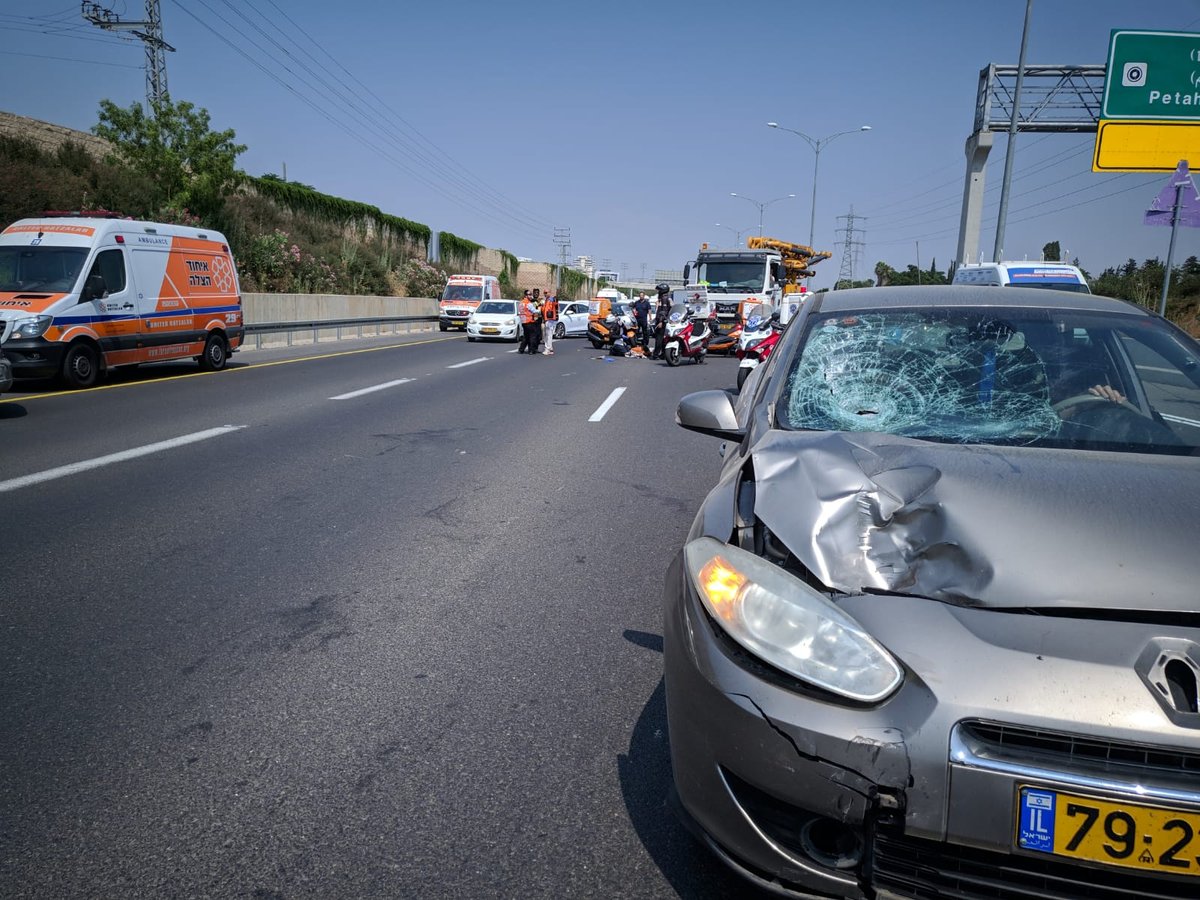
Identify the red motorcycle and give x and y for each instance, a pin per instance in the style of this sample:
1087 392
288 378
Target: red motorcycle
758 339
686 336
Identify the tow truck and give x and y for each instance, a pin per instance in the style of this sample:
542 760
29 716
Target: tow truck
762 274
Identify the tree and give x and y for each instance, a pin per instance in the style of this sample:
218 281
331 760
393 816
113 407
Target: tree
1052 252
191 166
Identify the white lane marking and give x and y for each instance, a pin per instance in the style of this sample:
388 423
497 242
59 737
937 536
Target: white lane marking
1181 420
13 484
607 405
372 389
469 362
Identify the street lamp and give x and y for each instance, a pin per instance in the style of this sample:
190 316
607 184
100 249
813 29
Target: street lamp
761 206
738 231
817 145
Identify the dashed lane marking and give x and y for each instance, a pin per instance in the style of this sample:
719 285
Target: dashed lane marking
13 484
469 362
607 405
370 390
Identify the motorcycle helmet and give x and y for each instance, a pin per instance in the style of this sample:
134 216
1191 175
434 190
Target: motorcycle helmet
663 288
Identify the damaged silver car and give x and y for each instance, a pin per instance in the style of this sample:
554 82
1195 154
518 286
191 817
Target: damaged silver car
936 631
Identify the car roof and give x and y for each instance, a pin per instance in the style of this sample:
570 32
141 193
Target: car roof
858 299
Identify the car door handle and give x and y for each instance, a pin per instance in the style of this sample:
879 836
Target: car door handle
127 306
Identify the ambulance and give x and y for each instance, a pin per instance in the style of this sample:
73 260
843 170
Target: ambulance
462 294
1052 275
84 293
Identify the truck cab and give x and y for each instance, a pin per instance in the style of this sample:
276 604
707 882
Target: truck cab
736 277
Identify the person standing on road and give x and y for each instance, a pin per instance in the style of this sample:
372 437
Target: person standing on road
527 312
537 319
641 312
550 320
661 314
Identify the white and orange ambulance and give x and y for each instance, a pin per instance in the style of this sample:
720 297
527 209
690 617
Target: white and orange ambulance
462 294
83 293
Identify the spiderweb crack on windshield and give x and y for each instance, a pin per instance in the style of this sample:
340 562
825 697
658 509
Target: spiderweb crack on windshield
906 374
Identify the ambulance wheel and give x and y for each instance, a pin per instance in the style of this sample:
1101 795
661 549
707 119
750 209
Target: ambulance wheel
441 326
215 355
81 366
671 355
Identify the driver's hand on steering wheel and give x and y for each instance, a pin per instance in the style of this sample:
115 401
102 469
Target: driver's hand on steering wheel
1108 392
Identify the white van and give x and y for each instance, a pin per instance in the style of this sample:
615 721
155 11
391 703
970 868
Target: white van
1057 276
462 294
82 294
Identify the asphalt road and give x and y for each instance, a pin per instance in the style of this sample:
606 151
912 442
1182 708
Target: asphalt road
405 643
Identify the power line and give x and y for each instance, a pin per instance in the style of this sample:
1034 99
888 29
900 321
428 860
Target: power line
348 97
74 59
334 119
405 124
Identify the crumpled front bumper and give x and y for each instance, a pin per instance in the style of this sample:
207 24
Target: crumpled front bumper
810 795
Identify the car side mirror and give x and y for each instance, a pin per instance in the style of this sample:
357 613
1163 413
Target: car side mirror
711 413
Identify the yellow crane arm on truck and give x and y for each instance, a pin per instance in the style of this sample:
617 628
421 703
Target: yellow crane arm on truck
798 259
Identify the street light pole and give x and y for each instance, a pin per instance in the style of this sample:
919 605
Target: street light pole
762 205
737 231
817 144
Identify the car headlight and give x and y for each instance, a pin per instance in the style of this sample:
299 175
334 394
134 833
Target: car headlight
32 327
786 623
511 322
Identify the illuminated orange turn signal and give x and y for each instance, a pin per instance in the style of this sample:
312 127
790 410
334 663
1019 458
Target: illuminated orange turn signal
722 584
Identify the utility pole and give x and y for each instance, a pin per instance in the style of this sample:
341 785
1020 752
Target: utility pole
562 240
150 32
1010 152
851 248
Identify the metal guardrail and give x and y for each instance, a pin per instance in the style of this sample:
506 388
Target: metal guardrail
337 325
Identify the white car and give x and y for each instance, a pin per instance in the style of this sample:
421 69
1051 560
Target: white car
572 320
494 319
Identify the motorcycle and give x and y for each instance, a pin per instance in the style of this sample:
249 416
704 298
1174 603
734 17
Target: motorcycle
758 339
686 335
608 321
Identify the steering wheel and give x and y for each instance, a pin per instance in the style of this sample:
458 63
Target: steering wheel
1086 399
1115 421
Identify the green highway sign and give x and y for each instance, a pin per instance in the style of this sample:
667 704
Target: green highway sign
1152 75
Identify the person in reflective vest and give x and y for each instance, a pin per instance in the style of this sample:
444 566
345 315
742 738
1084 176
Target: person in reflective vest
550 322
528 315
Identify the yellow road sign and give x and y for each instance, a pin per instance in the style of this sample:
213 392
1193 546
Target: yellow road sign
1145 146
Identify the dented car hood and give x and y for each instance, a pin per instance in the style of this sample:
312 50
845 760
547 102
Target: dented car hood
984 525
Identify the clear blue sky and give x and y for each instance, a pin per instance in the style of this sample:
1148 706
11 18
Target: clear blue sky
629 122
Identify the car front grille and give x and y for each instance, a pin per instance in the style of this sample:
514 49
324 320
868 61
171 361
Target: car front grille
1069 751
931 870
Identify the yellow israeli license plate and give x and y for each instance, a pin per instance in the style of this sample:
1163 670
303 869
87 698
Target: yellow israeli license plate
1150 838
490 330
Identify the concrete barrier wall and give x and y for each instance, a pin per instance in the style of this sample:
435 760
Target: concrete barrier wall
262 308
